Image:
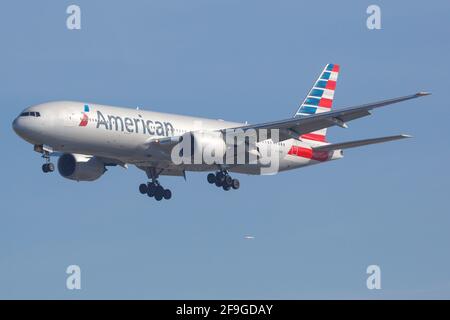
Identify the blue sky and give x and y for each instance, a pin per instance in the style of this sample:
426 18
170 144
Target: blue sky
317 229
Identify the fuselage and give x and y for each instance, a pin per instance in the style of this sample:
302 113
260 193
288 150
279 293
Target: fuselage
123 133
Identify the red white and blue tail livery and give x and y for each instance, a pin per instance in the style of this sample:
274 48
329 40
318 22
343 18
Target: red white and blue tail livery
319 100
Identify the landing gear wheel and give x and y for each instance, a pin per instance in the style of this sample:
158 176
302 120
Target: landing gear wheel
159 193
226 187
143 188
228 181
211 178
220 178
48 167
167 194
235 184
151 189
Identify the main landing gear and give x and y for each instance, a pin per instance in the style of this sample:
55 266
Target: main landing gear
224 180
153 189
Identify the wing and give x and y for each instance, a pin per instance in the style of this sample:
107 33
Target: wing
295 127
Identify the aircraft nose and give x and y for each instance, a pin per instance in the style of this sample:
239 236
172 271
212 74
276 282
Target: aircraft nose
16 126
20 128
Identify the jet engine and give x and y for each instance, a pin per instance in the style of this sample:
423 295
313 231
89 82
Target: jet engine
79 167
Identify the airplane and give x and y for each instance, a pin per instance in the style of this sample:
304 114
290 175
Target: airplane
89 137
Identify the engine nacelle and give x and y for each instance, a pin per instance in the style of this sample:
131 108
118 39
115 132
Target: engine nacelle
79 167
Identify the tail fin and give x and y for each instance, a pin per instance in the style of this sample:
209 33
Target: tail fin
320 99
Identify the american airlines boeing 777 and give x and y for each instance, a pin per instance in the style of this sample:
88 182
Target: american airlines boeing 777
89 137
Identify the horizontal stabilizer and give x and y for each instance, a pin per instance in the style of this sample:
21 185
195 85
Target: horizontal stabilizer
359 143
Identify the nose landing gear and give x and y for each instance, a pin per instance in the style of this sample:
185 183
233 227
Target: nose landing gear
224 180
47 166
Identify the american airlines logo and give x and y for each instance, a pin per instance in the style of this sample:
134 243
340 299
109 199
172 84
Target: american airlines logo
133 125
85 119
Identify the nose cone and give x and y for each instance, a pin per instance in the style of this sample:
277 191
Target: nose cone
17 127
27 128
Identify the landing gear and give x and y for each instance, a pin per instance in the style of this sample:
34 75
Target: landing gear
47 166
224 180
153 189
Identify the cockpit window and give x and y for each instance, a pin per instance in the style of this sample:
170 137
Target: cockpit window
30 114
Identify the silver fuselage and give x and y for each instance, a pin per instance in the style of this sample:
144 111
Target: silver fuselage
123 134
